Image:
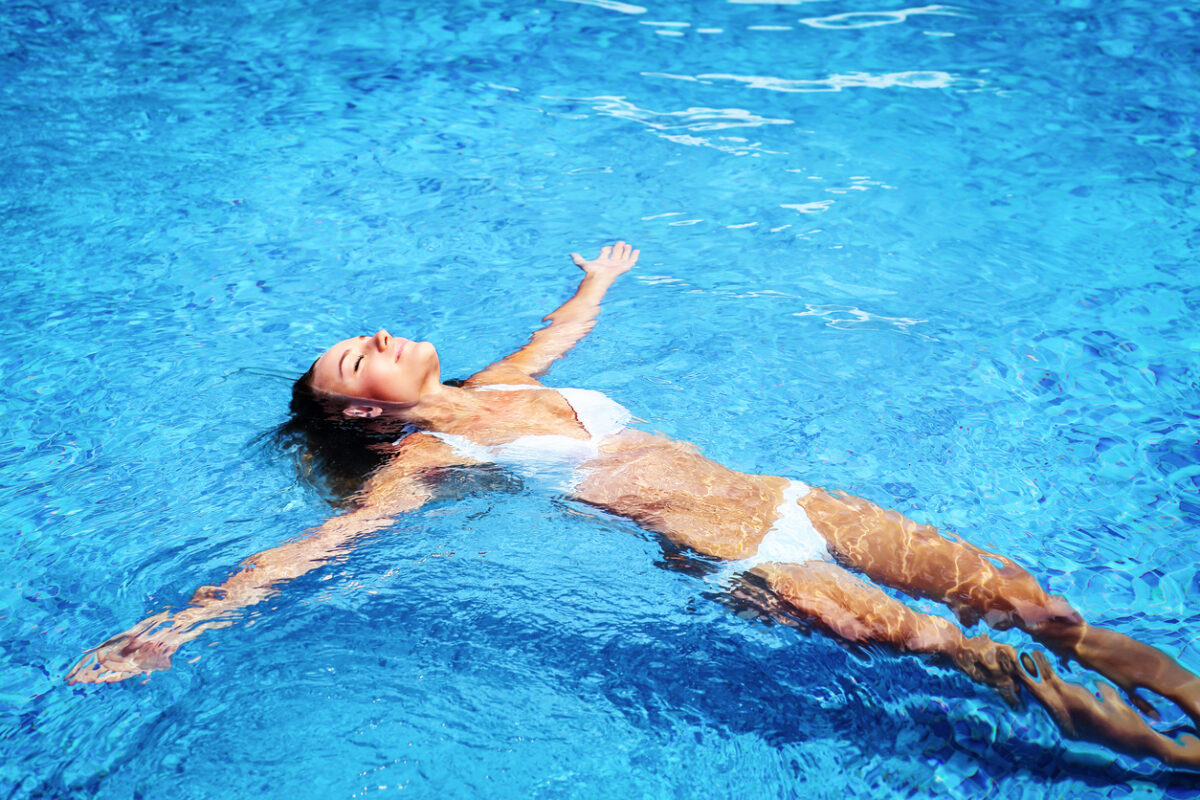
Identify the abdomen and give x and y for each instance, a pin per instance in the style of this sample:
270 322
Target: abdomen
668 487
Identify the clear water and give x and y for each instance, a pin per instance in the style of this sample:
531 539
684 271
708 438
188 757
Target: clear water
943 257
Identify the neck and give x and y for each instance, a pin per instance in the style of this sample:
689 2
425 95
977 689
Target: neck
443 408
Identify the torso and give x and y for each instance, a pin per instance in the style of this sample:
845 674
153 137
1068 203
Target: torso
669 487
663 485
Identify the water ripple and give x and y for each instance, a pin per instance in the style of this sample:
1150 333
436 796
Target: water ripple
664 124
845 317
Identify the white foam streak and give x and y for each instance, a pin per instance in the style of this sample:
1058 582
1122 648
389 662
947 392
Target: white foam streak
850 318
917 79
809 208
611 5
871 19
682 127
697 119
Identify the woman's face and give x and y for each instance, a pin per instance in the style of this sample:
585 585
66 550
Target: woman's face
380 367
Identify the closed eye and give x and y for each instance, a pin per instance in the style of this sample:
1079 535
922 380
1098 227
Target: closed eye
357 362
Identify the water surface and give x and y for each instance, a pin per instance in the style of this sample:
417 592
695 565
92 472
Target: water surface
943 257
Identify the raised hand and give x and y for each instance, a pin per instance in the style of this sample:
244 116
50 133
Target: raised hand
611 262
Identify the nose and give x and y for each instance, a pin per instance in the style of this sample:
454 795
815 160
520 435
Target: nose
382 338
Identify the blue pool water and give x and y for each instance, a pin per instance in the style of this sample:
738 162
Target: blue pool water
943 257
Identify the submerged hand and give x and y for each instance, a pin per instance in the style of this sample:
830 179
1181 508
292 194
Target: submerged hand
611 262
136 651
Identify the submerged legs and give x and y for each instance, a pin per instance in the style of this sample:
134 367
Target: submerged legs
1108 719
976 584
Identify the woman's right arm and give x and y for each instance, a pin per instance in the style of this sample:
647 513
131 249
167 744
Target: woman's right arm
148 646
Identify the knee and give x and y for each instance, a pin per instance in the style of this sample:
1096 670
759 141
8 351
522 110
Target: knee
1053 620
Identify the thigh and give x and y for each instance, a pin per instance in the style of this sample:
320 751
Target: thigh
894 550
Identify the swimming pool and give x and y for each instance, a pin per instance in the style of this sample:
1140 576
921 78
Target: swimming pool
943 257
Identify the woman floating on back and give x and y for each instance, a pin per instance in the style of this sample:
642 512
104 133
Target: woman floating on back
791 549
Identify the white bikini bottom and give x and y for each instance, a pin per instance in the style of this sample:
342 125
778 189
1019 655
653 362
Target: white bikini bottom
791 540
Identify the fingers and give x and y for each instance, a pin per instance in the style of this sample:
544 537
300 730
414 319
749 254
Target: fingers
625 253
124 656
619 254
83 669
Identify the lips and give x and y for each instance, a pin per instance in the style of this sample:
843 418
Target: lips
400 345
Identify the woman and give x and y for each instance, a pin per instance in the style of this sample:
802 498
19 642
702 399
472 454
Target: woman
791 544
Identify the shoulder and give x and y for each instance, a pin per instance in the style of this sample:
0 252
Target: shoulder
400 484
414 455
502 374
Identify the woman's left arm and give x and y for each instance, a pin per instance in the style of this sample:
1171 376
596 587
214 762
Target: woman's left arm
571 321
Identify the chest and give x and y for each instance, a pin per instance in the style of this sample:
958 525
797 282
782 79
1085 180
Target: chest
506 416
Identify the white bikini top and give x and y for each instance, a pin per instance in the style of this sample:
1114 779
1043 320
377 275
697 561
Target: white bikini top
550 457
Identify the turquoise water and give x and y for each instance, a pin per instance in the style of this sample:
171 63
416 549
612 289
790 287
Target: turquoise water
942 257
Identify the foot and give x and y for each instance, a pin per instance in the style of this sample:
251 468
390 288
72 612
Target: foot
1107 719
1132 665
991 663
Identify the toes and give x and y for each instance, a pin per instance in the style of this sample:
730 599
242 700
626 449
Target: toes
1006 658
1011 694
1031 664
1143 705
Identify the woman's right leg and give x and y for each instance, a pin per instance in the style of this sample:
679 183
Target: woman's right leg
855 611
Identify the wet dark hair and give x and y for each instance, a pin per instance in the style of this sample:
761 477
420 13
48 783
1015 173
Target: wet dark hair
336 453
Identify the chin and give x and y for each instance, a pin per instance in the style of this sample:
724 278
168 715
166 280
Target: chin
429 359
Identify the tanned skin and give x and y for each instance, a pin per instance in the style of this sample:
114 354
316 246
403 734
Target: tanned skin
697 504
